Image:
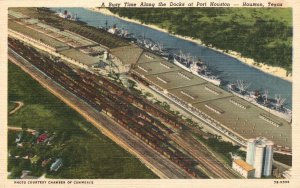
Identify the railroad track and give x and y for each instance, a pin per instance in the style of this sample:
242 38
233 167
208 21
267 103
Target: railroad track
129 112
156 162
109 100
205 160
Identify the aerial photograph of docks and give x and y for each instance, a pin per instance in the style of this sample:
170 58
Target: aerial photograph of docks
133 93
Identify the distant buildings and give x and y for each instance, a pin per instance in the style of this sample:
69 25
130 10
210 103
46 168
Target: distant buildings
276 173
56 165
42 137
38 161
19 137
260 156
287 174
25 175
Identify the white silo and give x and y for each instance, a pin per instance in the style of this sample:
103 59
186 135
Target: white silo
259 159
268 159
105 55
250 151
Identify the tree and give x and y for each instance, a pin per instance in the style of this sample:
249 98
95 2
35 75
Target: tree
132 84
24 127
147 94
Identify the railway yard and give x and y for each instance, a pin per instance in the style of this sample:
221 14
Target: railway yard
64 61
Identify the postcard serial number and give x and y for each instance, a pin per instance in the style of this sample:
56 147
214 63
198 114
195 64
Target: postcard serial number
281 181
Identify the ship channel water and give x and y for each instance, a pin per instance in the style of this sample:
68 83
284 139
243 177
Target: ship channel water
226 67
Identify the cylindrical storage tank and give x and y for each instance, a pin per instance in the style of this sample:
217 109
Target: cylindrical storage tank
259 159
268 159
250 151
105 55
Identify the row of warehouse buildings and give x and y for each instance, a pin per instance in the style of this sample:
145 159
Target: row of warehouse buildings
67 45
229 114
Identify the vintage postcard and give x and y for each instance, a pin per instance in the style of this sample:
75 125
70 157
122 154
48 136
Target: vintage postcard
155 94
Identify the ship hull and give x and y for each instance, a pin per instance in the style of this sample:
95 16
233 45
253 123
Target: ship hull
285 116
213 81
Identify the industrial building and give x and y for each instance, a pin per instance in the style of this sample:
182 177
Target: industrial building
29 34
260 156
67 45
56 165
243 168
229 114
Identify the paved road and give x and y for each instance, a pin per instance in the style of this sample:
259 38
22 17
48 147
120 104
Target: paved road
11 128
19 105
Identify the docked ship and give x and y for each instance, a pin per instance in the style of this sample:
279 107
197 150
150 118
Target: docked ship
119 31
273 105
68 15
155 47
196 67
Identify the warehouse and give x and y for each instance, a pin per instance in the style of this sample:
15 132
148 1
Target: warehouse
229 114
79 57
37 37
243 168
64 44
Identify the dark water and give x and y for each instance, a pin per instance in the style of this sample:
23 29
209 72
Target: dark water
229 69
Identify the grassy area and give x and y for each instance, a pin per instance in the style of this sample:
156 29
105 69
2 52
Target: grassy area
11 106
222 149
263 34
85 151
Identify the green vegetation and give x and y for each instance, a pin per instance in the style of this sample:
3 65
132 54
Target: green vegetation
259 33
33 155
86 153
11 106
222 148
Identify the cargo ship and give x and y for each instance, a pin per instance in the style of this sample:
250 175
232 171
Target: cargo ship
274 106
68 15
195 66
155 47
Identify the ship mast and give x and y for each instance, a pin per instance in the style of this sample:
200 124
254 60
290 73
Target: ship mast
242 86
279 101
266 96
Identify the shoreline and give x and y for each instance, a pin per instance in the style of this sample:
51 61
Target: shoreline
274 71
